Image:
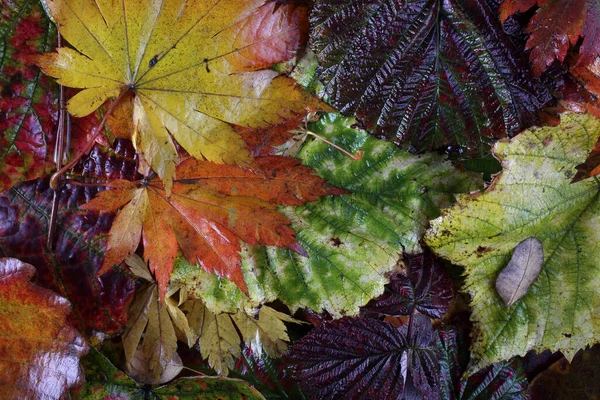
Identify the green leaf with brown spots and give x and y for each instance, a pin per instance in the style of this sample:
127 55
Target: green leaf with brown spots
532 197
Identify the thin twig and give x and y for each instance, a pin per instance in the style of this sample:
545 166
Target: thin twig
96 131
59 150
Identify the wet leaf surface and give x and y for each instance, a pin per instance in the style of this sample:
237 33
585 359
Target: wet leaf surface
28 102
80 241
427 72
39 349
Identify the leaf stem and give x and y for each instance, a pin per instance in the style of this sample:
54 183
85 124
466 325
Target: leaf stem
59 151
96 131
359 154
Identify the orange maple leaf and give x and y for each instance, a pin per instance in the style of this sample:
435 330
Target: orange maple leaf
211 207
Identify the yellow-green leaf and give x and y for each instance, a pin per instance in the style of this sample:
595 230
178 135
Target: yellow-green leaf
173 55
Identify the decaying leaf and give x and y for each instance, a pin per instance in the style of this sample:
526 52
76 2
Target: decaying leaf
104 381
353 239
39 349
556 25
155 360
427 72
522 270
174 56
211 208
532 197
28 99
220 342
99 303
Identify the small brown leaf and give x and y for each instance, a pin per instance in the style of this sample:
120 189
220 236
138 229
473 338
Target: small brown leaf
514 280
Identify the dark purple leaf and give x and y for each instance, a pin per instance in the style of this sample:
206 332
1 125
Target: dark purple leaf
503 380
99 304
426 287
362 358
431 73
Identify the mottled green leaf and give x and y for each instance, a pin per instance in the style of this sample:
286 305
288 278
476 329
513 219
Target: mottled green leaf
352 240
532 197
105 381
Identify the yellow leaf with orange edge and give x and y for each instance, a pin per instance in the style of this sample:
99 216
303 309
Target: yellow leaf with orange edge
173 55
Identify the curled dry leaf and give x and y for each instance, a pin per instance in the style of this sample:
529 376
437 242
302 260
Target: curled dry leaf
175 58
39 349
522 270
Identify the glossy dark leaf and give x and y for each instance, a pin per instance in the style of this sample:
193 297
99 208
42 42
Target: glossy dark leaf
267 375
425 287
28 99
362 358
426 72
104 381
503 380
80 240
39 350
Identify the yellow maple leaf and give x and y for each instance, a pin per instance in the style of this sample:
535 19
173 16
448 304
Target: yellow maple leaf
173 54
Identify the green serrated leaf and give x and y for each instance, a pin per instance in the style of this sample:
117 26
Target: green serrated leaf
105 381
532 197
352 240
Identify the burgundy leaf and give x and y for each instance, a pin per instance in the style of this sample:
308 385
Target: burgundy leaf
425 287
80 240
431 73
362 358
28 99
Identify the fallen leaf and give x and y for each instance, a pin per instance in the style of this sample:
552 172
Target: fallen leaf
28 102
361 358
211 208
155 360
174 57
99 303
532 197
503 380
430 73
352 240
556 25
104 381
220 342
522 270
39 349
425 287
271 34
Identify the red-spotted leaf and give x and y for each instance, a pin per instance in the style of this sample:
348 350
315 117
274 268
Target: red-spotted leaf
362 358
79 242
28 101
431 73
39 350
425 287
271 34
557 24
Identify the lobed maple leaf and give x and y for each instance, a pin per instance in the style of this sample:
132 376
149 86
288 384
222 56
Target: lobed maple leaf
174 56
211 207
555 25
